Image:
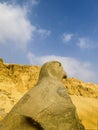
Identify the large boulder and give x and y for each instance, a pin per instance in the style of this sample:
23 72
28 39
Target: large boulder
47 106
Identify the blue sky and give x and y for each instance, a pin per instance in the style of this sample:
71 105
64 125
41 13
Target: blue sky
36 31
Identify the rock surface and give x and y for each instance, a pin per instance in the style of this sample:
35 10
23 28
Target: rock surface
47 104
16 80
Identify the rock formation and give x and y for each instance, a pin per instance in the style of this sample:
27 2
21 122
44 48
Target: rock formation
47 106
1 61
16 80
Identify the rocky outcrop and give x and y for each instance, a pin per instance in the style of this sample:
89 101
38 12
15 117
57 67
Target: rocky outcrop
80 88
16 80
47 105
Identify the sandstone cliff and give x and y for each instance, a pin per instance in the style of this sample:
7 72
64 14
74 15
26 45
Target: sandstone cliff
16 80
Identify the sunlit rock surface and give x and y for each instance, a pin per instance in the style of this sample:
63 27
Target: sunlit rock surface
16 80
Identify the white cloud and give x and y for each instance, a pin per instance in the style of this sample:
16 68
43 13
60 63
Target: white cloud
81 42
43 33
16 28
73 67
84 43
14 25
33 59
67 37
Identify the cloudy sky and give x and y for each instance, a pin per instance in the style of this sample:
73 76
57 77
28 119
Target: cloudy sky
36 31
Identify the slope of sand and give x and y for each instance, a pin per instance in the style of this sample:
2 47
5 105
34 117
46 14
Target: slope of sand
87 109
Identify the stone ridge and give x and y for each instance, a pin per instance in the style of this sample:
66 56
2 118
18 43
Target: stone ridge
25 76
80 88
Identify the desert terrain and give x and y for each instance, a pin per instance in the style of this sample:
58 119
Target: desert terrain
16 80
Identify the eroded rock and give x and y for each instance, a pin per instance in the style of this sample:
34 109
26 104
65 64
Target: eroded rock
47 106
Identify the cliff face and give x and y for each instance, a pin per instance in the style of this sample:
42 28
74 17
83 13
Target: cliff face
16 80
80 88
